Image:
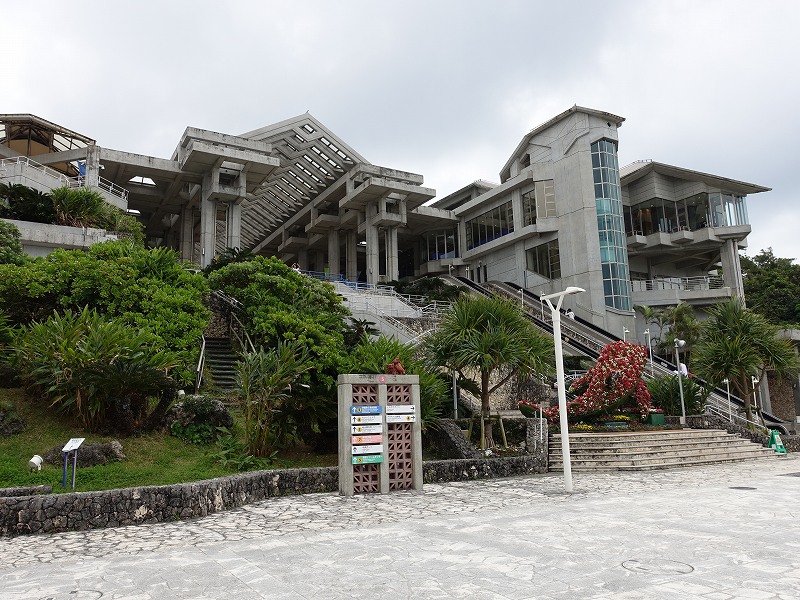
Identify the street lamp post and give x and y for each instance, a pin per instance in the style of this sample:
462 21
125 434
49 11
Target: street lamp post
649 349
555 312
625 332
680 344
754 381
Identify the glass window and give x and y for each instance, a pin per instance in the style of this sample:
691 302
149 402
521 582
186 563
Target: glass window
613 249
545 260
490 225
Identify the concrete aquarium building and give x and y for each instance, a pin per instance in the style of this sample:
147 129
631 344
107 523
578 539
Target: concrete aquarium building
564 212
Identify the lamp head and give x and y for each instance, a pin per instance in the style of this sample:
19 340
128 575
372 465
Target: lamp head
679 343
646 331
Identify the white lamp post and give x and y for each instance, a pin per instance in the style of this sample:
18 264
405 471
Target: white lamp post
680 344
649 349
555 312
754 381
625 332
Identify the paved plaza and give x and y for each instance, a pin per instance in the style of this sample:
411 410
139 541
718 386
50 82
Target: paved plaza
717 532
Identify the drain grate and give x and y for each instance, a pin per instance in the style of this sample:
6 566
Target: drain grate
658 567
741 487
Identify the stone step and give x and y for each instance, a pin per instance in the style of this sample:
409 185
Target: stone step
593 468
636 436
673 446
643 457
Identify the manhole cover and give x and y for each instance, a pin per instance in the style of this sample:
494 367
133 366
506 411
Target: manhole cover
658 567
741 487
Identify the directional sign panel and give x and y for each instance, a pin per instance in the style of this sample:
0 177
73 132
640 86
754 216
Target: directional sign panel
367 439
368 459
368 409
72 444
401 418
370 449
366 419
396 409
359 429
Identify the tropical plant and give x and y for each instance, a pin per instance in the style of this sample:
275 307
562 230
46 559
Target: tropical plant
668 323
615 381
10 246
228 256
144 289
488 341
98 369
358 330
265 379
25 204
665 394
736 344
372 356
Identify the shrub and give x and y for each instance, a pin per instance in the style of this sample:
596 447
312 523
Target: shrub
197 418
100 370
665 394
10 246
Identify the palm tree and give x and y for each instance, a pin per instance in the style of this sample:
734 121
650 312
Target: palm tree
490 338
737 343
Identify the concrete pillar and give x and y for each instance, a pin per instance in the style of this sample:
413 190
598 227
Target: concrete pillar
187 234
333 251
373 254
732 268
92 165
233 228
392 267
302 259
351 256
208 231
319 261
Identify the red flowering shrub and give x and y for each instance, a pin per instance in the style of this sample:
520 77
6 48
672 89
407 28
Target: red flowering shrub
615 381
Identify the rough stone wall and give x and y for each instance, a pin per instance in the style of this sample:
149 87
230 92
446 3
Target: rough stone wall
781 397
448 440
52 513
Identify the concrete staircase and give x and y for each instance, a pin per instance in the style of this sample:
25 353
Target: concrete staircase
642 451
221 361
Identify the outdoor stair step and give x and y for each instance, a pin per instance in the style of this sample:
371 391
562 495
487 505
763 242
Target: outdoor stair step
639 435
617 449
655 466
634 457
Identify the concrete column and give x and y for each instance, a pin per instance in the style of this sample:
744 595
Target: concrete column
373 254
92 165
351 256
392 267
732 268
208 231
319 261
187 234
233 228
333 251
302 259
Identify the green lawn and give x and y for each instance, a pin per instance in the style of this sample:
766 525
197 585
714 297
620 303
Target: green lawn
154 459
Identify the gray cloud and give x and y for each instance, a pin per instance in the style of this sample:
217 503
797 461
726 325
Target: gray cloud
446 88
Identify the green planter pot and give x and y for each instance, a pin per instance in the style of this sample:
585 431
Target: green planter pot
655 419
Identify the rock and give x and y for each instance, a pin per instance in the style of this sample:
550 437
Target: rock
89 455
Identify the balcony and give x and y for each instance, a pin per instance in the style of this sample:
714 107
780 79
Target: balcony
663 291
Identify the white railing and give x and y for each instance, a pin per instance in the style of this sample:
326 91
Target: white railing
73 182
35 166
732 415
102 183
678 283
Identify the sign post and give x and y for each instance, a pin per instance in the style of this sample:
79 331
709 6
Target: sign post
380 446
71 447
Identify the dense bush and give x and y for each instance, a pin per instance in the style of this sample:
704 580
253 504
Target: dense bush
26 204
197 419
665 394
10 246
372 356
144 289
100 370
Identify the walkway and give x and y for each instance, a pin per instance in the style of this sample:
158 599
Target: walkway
717 533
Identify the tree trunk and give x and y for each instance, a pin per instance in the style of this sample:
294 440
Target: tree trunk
488 439
744 384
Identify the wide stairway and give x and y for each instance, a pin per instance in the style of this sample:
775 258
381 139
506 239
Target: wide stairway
643 451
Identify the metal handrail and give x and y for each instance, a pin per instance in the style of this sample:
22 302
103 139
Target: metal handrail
200 365
24 160
707 282
732 416
73 182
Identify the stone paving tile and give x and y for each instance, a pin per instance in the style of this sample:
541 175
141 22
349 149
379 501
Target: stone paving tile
666 534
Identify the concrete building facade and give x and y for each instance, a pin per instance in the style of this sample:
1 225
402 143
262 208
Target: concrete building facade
563 214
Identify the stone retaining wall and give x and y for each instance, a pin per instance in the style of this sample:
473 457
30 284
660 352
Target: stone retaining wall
790 442
111 508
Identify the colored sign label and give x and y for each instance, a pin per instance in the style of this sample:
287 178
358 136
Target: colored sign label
396 409
367 439
365 419
369 409
371 449
368 459
401 418
359 429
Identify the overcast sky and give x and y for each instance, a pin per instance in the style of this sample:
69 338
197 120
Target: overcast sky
442 88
